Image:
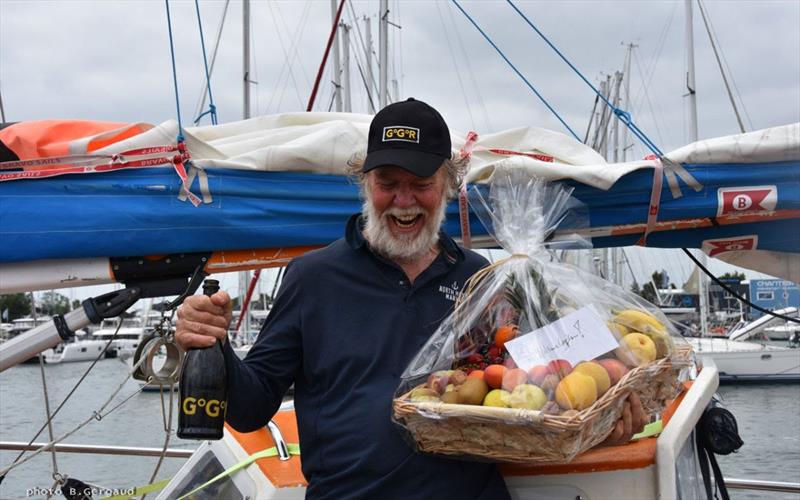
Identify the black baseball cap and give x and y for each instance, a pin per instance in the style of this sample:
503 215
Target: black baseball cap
409 134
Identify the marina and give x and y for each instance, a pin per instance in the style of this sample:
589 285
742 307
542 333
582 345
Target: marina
151 206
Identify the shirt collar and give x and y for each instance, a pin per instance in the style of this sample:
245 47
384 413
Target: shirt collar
354 236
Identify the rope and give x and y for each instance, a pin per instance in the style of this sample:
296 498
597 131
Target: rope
294 449
174 73
56 474
516 70
622 115
736 295
212 110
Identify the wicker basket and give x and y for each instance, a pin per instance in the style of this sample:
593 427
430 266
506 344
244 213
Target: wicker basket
530 436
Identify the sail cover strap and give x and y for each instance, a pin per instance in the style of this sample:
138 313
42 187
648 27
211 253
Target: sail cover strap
655 201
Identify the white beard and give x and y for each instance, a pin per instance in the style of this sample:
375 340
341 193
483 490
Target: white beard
406 247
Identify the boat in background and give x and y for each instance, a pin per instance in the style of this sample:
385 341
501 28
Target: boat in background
740 362
75 351
126 337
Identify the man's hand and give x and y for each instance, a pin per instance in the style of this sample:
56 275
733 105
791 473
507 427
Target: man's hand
202 320
631 422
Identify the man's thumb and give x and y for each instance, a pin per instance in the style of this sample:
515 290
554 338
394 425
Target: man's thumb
220 298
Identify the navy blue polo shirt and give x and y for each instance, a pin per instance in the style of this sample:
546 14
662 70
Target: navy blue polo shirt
343 327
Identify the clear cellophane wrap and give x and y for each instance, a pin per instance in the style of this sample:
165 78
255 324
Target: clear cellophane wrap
536 360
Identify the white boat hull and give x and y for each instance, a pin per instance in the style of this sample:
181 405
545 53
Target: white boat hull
749 362
82 350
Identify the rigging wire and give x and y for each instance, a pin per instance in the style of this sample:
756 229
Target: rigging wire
372 85
71 392
325 56
56 475
733 80
212 110
174 73
530 86
289 54
736 295
647 98
721 69
202 99
470 72
622 115
455 66
361 65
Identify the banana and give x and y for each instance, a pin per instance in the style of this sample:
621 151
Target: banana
621 330
640 321
662 341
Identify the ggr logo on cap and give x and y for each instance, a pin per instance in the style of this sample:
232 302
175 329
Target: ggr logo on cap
400 133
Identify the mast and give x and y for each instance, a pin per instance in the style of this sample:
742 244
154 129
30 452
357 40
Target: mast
337 84
244 276
346 66
690 86
368 50
627 72
383 52
246 57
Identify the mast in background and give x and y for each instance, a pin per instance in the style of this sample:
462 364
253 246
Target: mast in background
370 78
337 70
244 276
383 52
346 67
690 87
246 57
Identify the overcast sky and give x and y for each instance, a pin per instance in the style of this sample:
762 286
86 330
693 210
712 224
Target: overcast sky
110 60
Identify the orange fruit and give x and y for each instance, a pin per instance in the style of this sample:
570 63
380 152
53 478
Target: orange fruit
493 375
476 374
504 334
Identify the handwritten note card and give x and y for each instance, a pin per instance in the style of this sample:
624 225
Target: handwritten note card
579 336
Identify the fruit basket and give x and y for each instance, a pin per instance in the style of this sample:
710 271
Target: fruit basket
519 435
536 360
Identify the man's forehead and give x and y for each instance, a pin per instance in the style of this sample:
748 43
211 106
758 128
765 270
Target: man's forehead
393 171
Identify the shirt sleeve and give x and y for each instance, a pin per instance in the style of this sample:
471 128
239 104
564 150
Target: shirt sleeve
257 384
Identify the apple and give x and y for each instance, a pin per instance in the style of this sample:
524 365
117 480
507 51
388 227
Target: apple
560 367
458 377
513 378
641 346
439 380
424 394
615 368
576 391
538 373
527 396
510 364
550 382
497 397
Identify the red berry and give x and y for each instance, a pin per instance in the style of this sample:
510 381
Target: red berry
474 358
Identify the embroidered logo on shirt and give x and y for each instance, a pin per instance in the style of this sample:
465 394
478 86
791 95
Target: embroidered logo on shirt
400 133
450 292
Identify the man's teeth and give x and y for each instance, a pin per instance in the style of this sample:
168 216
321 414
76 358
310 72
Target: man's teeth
405 221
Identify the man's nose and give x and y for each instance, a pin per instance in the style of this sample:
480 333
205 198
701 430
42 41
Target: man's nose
404 197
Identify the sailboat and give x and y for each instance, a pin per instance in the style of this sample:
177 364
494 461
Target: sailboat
291 167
